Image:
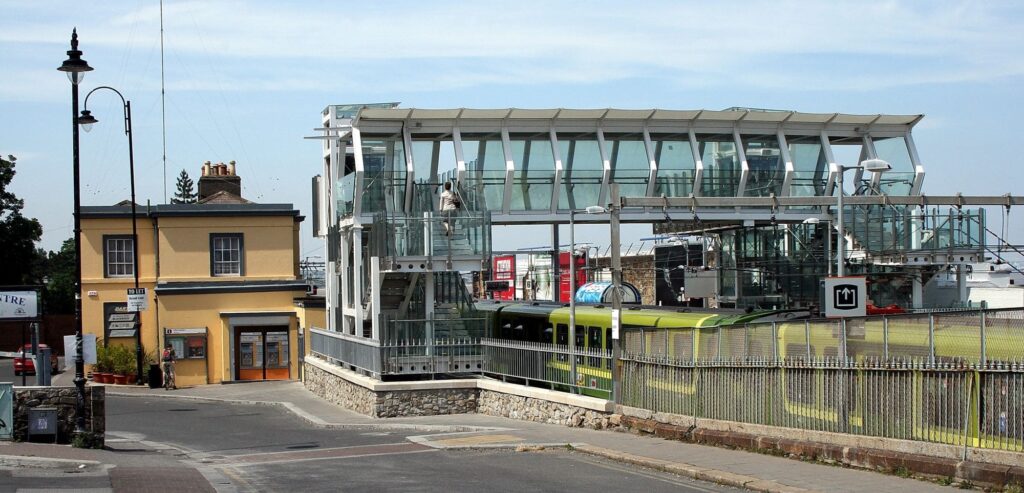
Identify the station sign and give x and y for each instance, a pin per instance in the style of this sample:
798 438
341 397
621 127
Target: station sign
845 297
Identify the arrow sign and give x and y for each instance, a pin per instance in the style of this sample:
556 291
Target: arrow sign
845 296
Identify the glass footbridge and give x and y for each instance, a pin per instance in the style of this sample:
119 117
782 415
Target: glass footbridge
396 269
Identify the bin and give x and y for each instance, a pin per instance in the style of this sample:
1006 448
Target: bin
42 421
156 377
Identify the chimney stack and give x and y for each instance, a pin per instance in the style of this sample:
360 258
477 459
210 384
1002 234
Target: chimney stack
219 177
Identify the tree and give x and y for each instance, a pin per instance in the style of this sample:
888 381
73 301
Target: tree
59 292
185 193
18 234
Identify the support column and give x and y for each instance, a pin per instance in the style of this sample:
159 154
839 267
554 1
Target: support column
428 307
961 285
556 264
917 290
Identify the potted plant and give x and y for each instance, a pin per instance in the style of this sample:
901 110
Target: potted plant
122 362
101 371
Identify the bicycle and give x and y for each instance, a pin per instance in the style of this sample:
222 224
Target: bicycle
169 383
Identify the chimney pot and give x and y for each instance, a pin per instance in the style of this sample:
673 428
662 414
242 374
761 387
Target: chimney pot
231 168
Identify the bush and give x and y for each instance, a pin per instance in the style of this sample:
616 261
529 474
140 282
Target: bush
103 362
122 360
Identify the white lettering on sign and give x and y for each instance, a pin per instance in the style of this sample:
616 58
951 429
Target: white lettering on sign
137 300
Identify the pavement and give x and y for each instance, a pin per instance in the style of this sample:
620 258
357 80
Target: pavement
126 472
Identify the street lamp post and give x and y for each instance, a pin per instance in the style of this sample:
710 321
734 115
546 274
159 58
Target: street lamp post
86 121
873 165
76 68
594 209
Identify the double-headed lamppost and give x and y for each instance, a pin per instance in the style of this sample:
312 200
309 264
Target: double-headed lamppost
86 121
76 68
873 165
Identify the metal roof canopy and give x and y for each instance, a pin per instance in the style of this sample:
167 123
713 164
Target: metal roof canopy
651 116
824 201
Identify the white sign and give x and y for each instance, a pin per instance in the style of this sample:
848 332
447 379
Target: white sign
19 304
845 297
137 300
615 324
88 349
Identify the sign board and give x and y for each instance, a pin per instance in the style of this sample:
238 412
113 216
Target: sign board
6 411
19 304
88 350
615 323
845 296
137 300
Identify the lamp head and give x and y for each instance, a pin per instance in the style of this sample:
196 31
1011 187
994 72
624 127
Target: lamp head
875 165
75 66
596 209
86 120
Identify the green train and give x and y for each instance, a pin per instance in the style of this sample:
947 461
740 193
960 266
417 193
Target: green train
883 391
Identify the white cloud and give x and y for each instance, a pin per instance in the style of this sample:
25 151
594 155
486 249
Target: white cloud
766 44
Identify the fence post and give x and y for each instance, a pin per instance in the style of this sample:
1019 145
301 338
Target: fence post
885 338
718 352
984 359
695 332
931 340
842 343
775 343
807 338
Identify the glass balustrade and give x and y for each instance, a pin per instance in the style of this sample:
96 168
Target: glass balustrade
424 236
676 167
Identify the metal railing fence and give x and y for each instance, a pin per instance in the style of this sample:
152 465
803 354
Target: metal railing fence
989 339
399 357
550 364
968 408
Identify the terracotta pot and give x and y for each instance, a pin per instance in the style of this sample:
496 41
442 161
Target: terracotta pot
129 379
101 377
120 379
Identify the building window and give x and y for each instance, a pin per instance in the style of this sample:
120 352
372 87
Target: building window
119 255
227 256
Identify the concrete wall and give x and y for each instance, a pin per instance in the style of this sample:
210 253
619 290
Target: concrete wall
64 399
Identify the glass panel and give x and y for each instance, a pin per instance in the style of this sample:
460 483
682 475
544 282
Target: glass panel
849 151
384 174
277 350
345 190
721 165
900 180
434 163
676 167
584 171
767 172
810 166
630 167
534 177
485 171
251 348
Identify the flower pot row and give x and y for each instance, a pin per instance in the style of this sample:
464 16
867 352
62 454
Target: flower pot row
116 379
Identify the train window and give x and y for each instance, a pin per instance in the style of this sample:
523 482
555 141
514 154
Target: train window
549 334
562 339
506 331
594 344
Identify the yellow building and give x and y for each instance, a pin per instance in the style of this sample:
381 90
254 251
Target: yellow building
221 280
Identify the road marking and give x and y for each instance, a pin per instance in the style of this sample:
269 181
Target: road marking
476 440
330 453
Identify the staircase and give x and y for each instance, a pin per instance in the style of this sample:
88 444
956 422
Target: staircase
455 245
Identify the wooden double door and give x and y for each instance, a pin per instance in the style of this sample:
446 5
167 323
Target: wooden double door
261 353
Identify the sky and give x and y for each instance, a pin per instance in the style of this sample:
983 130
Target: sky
247 80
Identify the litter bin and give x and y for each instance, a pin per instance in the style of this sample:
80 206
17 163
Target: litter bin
42 420
156 377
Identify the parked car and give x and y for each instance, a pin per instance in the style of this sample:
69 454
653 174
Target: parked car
27 364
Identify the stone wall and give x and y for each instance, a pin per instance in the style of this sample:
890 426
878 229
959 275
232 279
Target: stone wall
388 403
637 270
539 410
63 398
339 391
430 402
